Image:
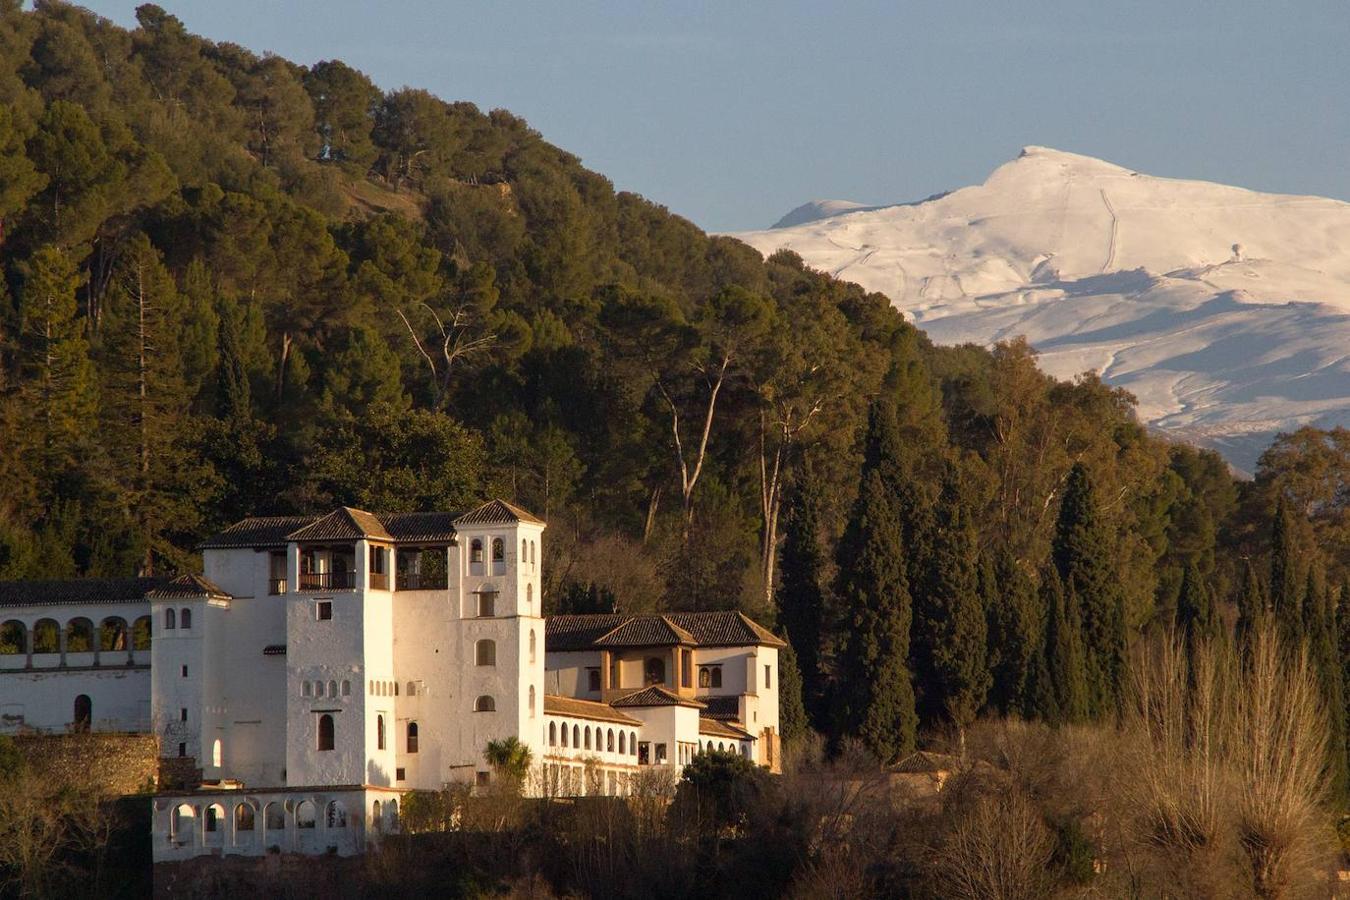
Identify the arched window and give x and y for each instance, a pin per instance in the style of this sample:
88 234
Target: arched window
531 645
498 550
704 677
372 687
346 688
79 635
274 817
305 814
215 752
476 551
524 550
112 634
185 618
243 817
412 689
654 670
586 736
529 595
485 653
395 688
632 743
325 732
531 551
215 814
332 688
84 713
412 737
531 701
623 745
564 734
376 822
553 734
140 633
337 814
306 689
170 619
485 704
717 676
14 638
183 826
609 740
576 736
379 732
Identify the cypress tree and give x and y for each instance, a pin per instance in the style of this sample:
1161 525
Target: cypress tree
1286 588
950 629
801 601
876 696
791 712
1253 607
1341 622
1015 622
1324 649
1197 620
1065 666
1085 558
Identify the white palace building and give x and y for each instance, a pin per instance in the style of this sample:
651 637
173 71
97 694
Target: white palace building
324 665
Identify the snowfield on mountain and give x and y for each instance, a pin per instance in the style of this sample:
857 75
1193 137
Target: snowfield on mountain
1226 312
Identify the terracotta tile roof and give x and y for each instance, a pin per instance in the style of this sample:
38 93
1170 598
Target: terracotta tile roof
579 632
555 705
77 590
261 531
654 696
645 631
724 708
184 587
924 762
702 629
431 527
342 524
497 512
726 628
274 650
718 728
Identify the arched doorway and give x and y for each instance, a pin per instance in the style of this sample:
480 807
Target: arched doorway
84 713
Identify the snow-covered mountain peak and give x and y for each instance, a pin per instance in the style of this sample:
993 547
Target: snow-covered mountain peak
1182 291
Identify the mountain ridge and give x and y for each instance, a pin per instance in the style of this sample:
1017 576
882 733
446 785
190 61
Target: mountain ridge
1221 308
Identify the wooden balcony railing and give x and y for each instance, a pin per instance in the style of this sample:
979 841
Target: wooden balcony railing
327 581
419 581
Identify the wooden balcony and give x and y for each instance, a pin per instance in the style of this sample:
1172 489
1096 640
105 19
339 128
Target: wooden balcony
419 581
328 581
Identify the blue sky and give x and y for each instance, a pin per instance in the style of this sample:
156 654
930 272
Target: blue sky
731 113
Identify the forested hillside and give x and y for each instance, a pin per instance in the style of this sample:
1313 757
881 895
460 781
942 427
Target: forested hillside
237 285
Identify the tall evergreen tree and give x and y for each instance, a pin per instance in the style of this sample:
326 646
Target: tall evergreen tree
1015 622
1253 607
1197 620
1286 586
876 696
1323 641
801 600
950 630
1085 558
58 397
792 721
1065 665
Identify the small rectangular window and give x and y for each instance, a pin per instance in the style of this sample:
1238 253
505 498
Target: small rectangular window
768 677
182 750
484 778
400 774
593 680
184 671
487 604
323 610
182 714
660 754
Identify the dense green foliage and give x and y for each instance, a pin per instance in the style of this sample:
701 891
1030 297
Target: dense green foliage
232 285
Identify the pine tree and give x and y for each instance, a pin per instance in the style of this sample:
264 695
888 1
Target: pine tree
1085 558
876 696
1065 666
801 601
1015 623
791 711
950 630
1286 587
58 398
